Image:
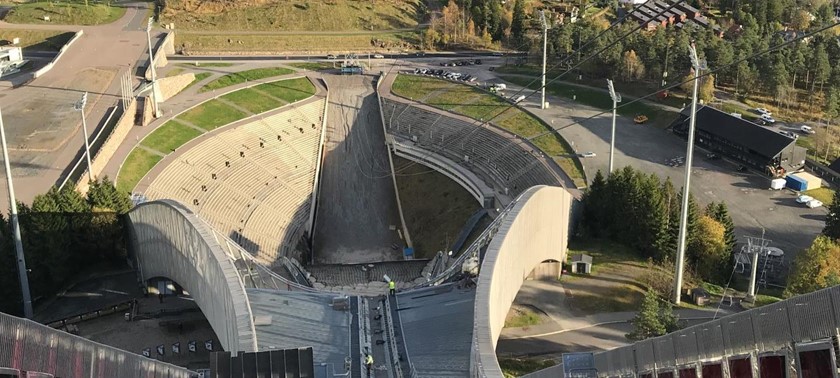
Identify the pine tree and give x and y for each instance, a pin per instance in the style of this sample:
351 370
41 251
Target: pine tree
648 322
832 220
722 216
594 202
102 195
517 27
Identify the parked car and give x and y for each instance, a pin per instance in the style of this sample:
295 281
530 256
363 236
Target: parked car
806 130
767 118
713 156
804 199
588 154
814 204
763 111
498 53
330 56
378 56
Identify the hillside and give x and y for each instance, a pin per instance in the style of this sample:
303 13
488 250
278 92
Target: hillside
293 15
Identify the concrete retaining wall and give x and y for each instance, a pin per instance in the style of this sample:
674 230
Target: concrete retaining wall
168 240
163 48
170 86
111 144
61 52
536 230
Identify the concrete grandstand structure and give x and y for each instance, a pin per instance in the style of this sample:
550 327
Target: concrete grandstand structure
253 180
252 309
505 163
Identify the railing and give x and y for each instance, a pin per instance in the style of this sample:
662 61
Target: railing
79 168
392 339
784 330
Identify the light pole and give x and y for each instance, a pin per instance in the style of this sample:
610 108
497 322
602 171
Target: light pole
155 108
545 56
13 219
616 98
80 106
695 62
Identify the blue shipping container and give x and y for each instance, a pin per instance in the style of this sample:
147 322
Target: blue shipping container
796 183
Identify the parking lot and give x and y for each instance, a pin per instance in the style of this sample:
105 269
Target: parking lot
791 226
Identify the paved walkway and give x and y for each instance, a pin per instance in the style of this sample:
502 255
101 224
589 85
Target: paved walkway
102 54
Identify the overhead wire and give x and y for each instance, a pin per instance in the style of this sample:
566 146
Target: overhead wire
477 123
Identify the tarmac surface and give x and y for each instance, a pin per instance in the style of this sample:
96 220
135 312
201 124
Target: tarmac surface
43 130
357 218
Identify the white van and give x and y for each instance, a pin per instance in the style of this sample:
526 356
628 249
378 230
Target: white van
806 129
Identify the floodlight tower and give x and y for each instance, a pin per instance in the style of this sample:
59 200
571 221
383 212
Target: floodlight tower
155 108
13 219
698 66
80 107
616 98
545 27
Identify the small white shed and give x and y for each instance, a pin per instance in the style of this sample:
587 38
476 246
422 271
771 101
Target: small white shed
582 264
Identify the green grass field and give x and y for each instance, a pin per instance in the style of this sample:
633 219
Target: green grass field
300 43
37 40
522 317
252 100
290 90
205 64
656 116
170 136
475 103
824 195
435 222
294 15
312 66
136 165
211 115
244 76
64 13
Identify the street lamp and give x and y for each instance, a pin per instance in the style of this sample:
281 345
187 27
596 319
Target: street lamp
698 66
80 106
155 108
544 23
13 219
616 98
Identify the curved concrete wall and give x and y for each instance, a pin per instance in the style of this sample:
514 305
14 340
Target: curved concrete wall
170 241
536 230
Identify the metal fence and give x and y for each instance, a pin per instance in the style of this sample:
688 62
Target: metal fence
31 347
783 331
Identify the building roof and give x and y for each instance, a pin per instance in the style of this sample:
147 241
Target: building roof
582 258
763 141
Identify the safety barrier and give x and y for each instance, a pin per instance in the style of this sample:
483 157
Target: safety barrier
43 70
35 348
797 335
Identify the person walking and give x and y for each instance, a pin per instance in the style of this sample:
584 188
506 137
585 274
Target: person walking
368 363
392 286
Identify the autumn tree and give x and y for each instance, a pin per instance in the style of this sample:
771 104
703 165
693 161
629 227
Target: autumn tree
633 69
816 268
707 253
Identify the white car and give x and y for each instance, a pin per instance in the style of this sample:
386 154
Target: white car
379 56
767 118
807 130
804 199
763 111
814 204
588 154
331 56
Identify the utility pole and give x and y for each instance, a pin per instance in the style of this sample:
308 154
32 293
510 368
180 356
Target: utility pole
545 56
754 262
13 219
155 108
698 65
80 106
616 98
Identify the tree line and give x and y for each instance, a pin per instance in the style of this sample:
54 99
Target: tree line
642 212
818 266
64 234
804 75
